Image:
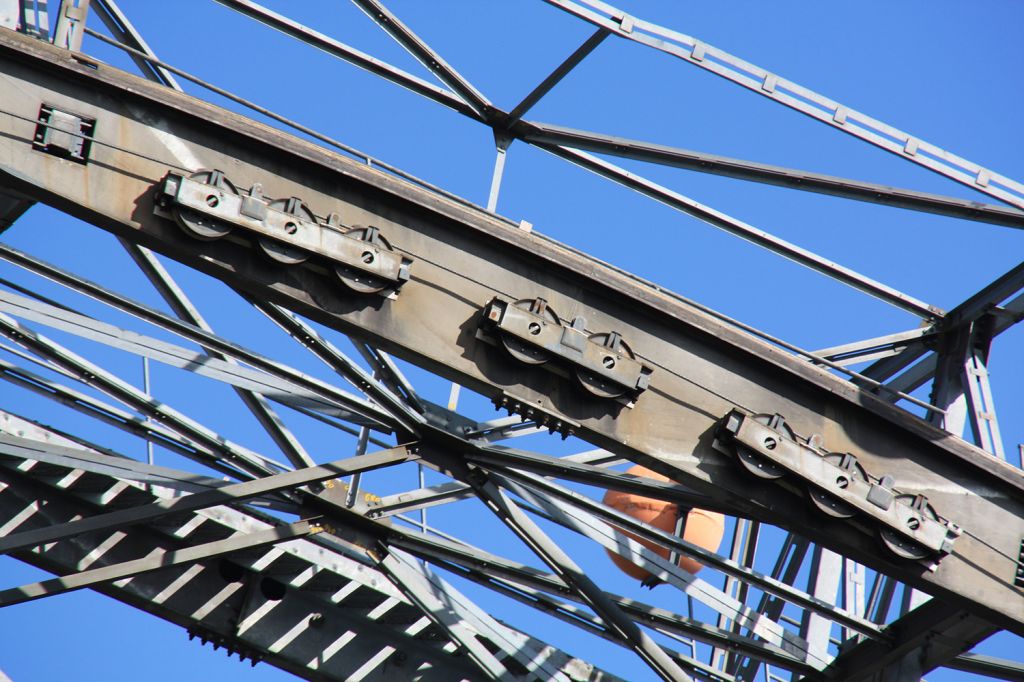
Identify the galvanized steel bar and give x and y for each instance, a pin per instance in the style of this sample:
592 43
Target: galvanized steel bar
748 232
573 576
555 77
153 562
703 162
175 297
775 88
238 492
423 53
196 334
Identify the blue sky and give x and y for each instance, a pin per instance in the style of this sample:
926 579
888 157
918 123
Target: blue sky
942 70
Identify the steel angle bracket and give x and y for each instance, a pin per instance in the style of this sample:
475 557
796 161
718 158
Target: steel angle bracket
211 207
907 524
602 363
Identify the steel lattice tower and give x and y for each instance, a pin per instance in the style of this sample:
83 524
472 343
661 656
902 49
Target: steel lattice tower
302 501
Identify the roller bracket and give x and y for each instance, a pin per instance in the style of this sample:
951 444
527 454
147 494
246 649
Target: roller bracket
907 523
369 261
603 363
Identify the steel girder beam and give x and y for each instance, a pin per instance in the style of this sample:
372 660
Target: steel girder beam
537 589
922 640
325 614
703 367
154 561
232 610
360 59
122 29
326 393
986 301
213 366
257 404
443 71
997 668
89 458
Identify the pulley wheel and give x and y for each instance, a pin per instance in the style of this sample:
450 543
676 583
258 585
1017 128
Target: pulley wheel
830 503
901 545
523 351
358 280
202 226
282 251
594 383
757 464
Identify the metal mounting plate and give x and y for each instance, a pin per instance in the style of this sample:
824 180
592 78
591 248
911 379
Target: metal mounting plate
812 467
241 211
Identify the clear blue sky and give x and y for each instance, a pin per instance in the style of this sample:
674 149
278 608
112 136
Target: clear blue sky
945 71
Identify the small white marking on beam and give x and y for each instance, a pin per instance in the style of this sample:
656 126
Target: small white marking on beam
216 600
177 584
115 490
368 667
68 480
189 526
332 649
21 516
288 637
101 549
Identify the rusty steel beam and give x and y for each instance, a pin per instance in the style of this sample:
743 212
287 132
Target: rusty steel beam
690 370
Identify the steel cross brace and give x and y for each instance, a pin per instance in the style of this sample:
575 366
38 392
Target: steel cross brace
208 603
410 580
548 134
246 461
990 301
531 654
251 382
197 334
238 492
562 496
64 450
257 404
510 577
154 562
573 576
148 430
659 619
584 140
637 183
615 541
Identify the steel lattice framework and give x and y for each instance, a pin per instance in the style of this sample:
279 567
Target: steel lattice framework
854 488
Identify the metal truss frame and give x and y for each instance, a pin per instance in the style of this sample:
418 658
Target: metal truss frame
261 576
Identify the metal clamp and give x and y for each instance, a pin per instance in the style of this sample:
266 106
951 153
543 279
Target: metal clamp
208 206
839 486
603 363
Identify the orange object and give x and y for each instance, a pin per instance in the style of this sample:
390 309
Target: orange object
703 528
